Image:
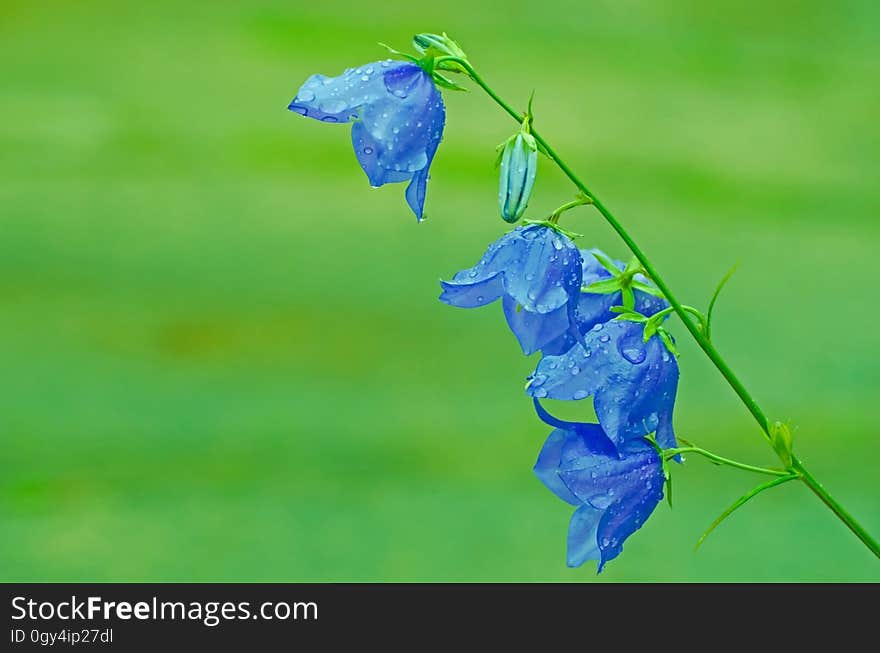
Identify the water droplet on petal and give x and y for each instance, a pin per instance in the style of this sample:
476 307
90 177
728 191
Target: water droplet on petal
305 96
540 393
604 337
581 394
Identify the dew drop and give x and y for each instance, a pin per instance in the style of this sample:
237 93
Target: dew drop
540 393
604 337
306 96
581 394
368 150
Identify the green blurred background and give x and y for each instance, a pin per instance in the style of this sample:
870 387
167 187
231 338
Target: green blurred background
222 354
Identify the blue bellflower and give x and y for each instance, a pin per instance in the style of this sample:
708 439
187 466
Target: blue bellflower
537 273
615 493
398 116
632 382
595 308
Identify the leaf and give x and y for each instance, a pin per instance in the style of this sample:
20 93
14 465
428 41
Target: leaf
717 292
742 501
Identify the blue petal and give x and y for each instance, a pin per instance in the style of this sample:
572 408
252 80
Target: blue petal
583 536
548 272
592 440
547 466
472 295
342 98
602 480
483 283
643 389
623 492
534 330
633 382
627 515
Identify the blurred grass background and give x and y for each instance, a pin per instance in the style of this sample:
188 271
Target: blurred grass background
222 353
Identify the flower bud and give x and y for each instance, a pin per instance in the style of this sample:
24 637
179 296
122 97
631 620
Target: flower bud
436 44
519 164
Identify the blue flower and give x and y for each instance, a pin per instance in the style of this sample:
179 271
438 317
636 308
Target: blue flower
537 271
398 116
595 308
615 494
632 382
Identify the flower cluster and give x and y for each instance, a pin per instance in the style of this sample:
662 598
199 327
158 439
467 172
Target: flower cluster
548 291
595 321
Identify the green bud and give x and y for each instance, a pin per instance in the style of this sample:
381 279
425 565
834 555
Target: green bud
780 437
519 165
438 45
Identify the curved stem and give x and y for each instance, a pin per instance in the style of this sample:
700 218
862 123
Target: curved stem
701 339
669 453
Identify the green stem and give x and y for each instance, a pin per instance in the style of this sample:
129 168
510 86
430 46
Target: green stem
670 453
554 217
701 339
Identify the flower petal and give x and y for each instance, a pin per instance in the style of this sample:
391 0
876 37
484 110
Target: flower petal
534 330
633 382
548 272
483 283
472 295
582 536
547 466
626 515
643 387
341 99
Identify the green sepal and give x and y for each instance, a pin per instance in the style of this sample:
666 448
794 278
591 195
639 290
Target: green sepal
629 297
406 56
604 287
645 288
555 227
607 263
664 466
445 82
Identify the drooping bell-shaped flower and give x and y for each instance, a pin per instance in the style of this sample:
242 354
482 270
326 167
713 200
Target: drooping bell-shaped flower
398 117
600 273
519 165
632 382
615 492
536 271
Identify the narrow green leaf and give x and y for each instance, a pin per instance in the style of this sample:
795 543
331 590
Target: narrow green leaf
717 292
742 501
